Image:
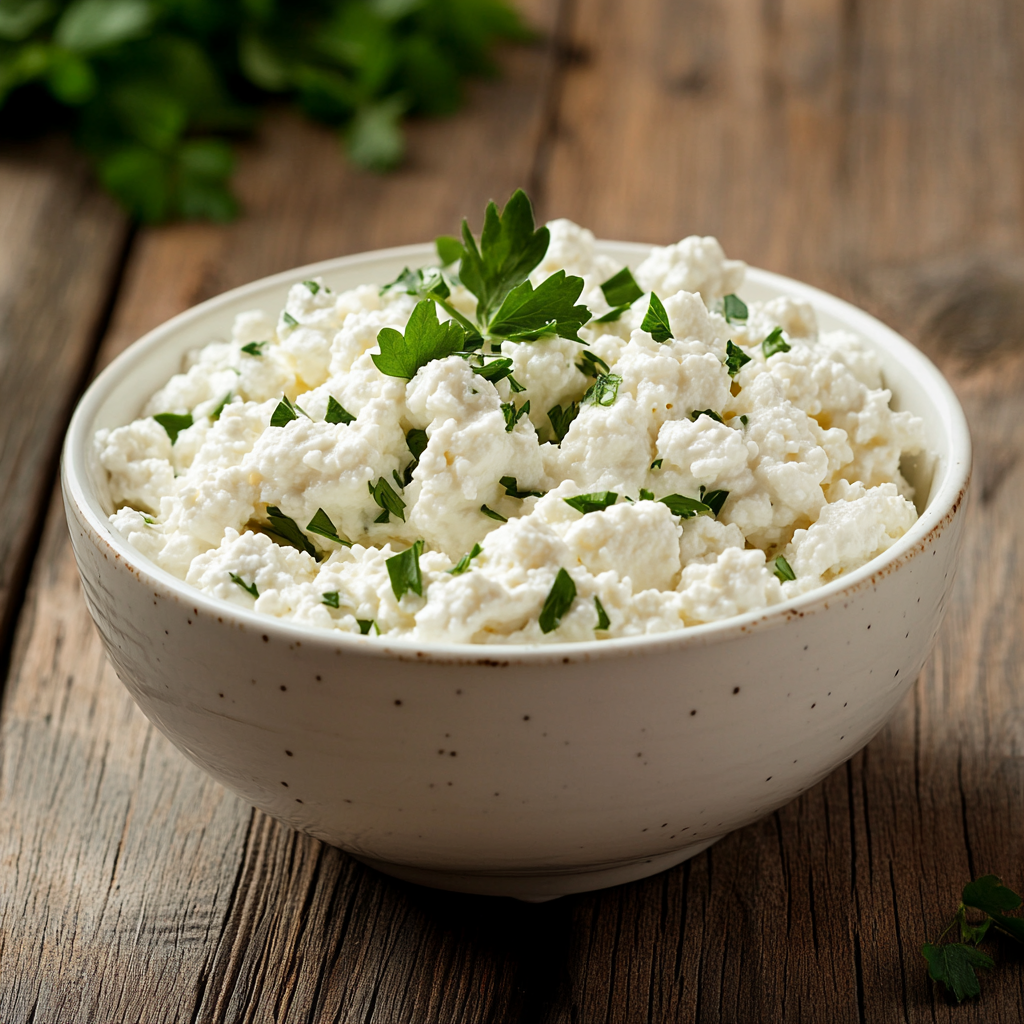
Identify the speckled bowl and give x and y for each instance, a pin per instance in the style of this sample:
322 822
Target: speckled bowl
513 770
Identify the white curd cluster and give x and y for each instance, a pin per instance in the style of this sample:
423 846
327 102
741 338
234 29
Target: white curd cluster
804 442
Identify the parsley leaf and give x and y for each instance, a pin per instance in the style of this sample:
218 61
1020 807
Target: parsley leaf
448 249
657 463
285 412
463 563
249 588
286 529
416 440
426 282
289 320
312 286
990 896
492 514
745 421
530 313
512 489
783 570
404 571
495 370
705 412
613 314
686 508
774 343
592 365
384 495
321 524
603 391
603 622
594 502
424 339
558 602
173 423
734 309
735 358
510 248
336 412
514 415
656 321
365 625
255 348
621 289
954 964
713 499
561 419
646 495
215 415
331 598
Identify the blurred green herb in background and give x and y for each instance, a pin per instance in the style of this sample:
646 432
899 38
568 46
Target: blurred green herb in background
151 89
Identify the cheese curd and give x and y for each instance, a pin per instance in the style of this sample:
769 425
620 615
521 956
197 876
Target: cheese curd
804 442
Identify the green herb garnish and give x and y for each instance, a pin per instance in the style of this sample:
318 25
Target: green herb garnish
287 530
530 313
774 343
463 563
713 499
289 320
621 289
745 421
173 423
255 348
384 495
686 508
365 625
215 415
603 622
249 588
416 441
558 602
322 525
404 571
657 463
331 598
646 495
425 339
285 412
705 412
591 365
495 370
734 309
312 286
603 391
336 412
514 415
449 249
490 513
594 502
512 489
783 569
656 321
561 419
735 358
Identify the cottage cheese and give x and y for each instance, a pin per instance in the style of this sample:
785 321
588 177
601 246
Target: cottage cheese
805 442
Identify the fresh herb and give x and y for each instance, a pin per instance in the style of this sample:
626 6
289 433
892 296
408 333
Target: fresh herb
783 569
657 463
495 370
312 286
489 512
745 421
221 405
365 625
774 343
289 320
463 563
656 321
321 524
449 249
416 441
512 489
705 412
287 530
686 508
249 588
424 339
404 571
734 309
336 412
591 365
514 415
561 419
173 423
594 502
603 391
255 348
384 495
646 495
530 313
284 413
713 499
603 622
954 963
558 602
148 520
399 482
430 283
735 358
621 289
331 598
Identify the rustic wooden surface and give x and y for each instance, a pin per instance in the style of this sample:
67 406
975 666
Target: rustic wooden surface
873 147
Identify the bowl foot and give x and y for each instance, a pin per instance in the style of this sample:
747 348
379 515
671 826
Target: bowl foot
538 887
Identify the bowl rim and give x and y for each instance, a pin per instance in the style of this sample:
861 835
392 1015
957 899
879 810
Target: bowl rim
953 478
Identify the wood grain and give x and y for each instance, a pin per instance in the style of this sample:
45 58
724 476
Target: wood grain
870 146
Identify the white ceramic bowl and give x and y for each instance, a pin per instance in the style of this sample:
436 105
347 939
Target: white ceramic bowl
514 770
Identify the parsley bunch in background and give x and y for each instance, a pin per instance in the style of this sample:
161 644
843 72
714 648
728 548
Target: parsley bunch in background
150 89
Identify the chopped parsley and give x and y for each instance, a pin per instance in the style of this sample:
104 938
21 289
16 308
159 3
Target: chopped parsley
514 415
686 508
249 588
713 499
656 321
621 289
365 625
561 419
558 602
656 464
331 598
312 286
512 489
530 313
404 571
287 530
255 348
603 622
498 369
646 495
425 339
463 563
734 309
289 319
774 343
448 249
215 415
591 365
783 569
603 391
490 513
384 495
705 412
285 412
735 358
321 524
594 502
173 423
745 421
336 412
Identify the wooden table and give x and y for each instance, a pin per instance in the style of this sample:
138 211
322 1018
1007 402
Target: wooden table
872 147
